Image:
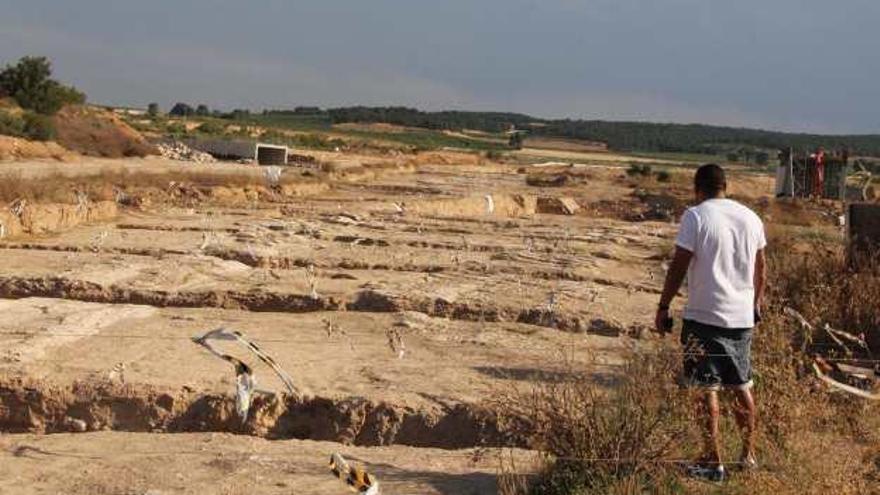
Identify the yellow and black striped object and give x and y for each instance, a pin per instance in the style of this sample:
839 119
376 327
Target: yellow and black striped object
356 478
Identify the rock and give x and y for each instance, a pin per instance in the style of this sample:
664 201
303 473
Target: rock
606 328
75 425
374 300
569 206
344 220
176 150
547 180
412 320
638 331
558 206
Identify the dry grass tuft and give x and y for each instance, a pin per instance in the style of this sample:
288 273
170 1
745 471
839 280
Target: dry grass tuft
811 440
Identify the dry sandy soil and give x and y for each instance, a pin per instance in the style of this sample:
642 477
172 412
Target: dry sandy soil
486 284
586 156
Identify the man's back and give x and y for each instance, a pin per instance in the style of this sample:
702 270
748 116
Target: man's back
724 237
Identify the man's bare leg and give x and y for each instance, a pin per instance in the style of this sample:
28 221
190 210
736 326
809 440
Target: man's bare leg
746 417
710 412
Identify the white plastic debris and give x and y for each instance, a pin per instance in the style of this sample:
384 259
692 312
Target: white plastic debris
357 479
245 386
273 175
245 381
490 204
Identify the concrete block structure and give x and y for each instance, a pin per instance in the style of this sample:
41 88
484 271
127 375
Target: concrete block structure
270 154
226 149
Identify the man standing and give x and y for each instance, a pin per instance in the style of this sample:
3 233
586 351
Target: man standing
720 247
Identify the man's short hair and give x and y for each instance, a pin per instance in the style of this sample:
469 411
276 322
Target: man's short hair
710 180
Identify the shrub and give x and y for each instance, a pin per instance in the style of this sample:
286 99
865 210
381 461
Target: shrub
595 438
516 141
29 125
212 128
11 125
182 110
663 176
29 83
494 155
598 441
636 170
310 141
762 158
38 127
175 129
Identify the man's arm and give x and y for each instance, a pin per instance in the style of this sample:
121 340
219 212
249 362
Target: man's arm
760 280
674 278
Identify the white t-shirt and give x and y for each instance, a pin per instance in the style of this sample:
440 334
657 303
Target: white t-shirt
724 237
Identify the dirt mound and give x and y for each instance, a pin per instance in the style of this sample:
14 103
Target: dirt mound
447 158
556 177
547 180
503 205
21 149
558 206
96 132
37 219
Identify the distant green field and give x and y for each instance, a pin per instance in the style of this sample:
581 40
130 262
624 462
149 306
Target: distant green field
422 139
292 122
427 140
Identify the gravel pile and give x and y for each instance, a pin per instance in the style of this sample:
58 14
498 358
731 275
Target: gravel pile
179 151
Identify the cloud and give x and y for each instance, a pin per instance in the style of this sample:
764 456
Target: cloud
678 60
644 106
168 71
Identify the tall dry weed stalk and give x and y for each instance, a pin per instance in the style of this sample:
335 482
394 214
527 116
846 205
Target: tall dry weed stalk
825 287
312 280
593 438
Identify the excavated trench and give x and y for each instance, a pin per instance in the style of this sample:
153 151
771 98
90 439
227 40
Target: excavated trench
342 239
42 407
37 407
257 260
367 300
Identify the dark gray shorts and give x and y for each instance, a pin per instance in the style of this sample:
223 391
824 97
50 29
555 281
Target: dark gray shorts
716 357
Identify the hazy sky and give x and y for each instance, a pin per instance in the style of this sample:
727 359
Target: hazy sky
789 64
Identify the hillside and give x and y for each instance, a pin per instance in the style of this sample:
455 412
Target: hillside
96 132
36 110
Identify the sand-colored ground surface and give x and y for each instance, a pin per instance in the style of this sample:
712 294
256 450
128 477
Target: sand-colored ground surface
476 276
225 464
587 156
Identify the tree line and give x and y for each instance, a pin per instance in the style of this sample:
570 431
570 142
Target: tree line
622 136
